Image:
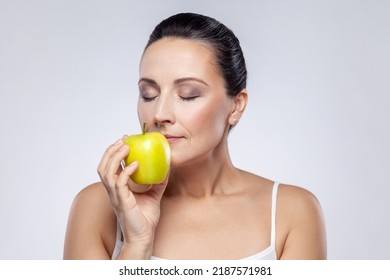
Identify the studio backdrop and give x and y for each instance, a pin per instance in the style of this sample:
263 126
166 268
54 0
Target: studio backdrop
318 112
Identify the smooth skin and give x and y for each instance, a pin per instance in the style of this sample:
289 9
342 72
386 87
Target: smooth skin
206 208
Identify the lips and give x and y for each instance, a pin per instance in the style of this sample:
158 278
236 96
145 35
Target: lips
172 138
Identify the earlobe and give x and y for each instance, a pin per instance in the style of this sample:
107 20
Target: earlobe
233 120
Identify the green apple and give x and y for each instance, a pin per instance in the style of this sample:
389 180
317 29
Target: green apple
152 152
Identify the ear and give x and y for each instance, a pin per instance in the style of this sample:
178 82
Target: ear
240 101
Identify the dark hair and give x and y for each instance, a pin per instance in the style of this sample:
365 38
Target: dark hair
226 46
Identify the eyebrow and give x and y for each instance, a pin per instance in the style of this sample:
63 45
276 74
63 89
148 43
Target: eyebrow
176 82
149 81
189 79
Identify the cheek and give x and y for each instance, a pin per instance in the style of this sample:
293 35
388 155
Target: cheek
207 117
145 114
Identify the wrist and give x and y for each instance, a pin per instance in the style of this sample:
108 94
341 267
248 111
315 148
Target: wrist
135 251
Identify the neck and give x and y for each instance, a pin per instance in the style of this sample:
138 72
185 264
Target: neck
211 175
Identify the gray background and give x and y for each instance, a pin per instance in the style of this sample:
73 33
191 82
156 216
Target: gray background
318 114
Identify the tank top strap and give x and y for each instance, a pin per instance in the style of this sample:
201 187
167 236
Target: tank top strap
273 212
118 231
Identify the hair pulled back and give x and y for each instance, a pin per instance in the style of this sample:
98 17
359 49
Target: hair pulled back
225 45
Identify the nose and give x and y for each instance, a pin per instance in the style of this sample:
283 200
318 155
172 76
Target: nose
163 111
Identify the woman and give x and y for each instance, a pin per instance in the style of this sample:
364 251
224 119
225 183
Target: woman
192 89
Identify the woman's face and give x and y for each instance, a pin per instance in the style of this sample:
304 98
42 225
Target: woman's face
182 95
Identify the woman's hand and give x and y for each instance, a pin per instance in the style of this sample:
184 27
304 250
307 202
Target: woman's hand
137 213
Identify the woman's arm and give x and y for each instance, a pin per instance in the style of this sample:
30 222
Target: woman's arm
91 225
91 228
306 237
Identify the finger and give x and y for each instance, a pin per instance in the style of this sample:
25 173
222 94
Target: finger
158 190
123 177
114 166
102 168
107 155
117 187
135 188
122 163
122 189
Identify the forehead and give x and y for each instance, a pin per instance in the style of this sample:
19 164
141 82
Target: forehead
177 56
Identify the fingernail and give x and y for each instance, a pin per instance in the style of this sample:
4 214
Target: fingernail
118 142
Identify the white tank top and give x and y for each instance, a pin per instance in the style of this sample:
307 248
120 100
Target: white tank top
268 253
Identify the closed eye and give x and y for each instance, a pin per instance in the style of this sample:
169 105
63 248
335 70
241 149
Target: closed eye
189 98
148 99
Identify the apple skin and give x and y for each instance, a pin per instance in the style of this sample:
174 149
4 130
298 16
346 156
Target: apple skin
152 152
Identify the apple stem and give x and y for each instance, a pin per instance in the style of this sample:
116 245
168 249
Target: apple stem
144 128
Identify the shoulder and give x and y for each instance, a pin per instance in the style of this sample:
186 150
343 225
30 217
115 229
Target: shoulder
91 224
297 199
292 201
300 225
303 227
93 202
288 196
93 193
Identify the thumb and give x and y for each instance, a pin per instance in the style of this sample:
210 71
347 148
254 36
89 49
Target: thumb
158 190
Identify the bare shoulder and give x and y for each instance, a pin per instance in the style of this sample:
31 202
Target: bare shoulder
300 225
91 225
93 200
303 227
297 198
299 205
289 196
292 201
94 193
